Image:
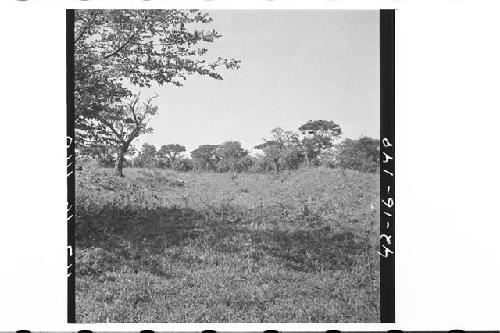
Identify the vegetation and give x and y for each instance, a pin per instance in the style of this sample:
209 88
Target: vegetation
119 49
283 150
165 246
362 154
221 234
319 135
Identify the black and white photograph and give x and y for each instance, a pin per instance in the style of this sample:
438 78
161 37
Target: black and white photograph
249 166
227 165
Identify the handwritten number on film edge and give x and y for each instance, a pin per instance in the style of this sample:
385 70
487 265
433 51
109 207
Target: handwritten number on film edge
387 201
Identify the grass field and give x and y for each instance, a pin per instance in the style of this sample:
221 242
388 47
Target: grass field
161 246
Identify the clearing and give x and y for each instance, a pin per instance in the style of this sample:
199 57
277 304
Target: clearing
163 246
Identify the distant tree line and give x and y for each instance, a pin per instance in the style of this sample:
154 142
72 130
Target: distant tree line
317 143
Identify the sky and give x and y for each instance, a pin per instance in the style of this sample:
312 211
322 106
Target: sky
296 65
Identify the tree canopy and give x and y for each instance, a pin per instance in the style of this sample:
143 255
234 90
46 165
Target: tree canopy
362 154
318 136
144 45
205 156
116 50
141 47
278 146
231 155
171 151
148 151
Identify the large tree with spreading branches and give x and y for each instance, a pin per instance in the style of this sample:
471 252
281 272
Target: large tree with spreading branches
119 124
206 157
231 155
119 49
319 135
276 147
171 152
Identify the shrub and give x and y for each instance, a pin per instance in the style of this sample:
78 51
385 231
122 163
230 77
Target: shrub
86 162
182 164
291 158
362 154
262 164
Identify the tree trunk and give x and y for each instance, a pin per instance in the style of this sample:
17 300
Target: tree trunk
277 164
119 161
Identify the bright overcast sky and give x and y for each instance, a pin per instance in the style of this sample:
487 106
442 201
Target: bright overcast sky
295 66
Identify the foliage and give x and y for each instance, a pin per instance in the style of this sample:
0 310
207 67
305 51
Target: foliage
362 154
167 157
205 157
144 46
182 164
117 124
146 157
116 48
298 246
231 156
291 158
171 151
328 158
263 163
278 146
247 162
319 135
148 152
103 155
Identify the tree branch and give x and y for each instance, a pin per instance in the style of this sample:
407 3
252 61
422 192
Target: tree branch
132 105
86 28
127 41
112 53
111 127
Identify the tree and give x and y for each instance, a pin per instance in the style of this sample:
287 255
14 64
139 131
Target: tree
144 46
148 152
103 154
118 124
263 163
318 136
147 156
231 154
362 154
116 49
291 157
272 154
182 164
274 148
206 157
170 152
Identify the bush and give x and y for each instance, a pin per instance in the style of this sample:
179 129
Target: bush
183 165
163 163
262 164
361 155
328 158
86 162
291 159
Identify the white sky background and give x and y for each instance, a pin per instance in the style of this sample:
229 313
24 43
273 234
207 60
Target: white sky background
295 66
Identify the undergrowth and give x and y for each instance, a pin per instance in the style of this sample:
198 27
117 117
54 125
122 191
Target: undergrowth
161 246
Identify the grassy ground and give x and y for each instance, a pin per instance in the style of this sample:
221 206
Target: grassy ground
291 247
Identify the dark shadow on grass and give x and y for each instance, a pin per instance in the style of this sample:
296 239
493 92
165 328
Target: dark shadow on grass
134 239
139 240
